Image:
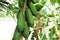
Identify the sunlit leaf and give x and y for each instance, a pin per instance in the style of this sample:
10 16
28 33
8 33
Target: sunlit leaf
38 6
58 19
50 15
53 1
8 12
40 34
58 1
52 33
58 26
15 10
44 37
43 12
58 8
43 2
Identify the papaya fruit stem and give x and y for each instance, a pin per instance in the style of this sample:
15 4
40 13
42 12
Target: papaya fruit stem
24 6
21 37
22 10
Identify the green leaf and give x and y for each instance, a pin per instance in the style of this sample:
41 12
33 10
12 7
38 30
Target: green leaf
38 6
52 33
53 2
58 8
58 19
2 14
58 26
35 1
15 10
44 37
8 12
50 15
40 34
43 12
43 2
58 1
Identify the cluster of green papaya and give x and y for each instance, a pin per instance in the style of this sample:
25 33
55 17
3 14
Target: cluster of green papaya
25 19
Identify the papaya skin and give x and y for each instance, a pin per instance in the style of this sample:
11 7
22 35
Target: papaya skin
26 31
16 35
20 22
33 9
29 17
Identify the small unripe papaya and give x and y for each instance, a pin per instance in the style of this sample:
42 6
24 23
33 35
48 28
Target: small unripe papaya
29 17
20 22
26 30
16 35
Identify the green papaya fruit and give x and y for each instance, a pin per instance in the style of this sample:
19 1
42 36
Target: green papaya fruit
26 30
20 22
29 17
38 6
21 3
16 35
33 9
